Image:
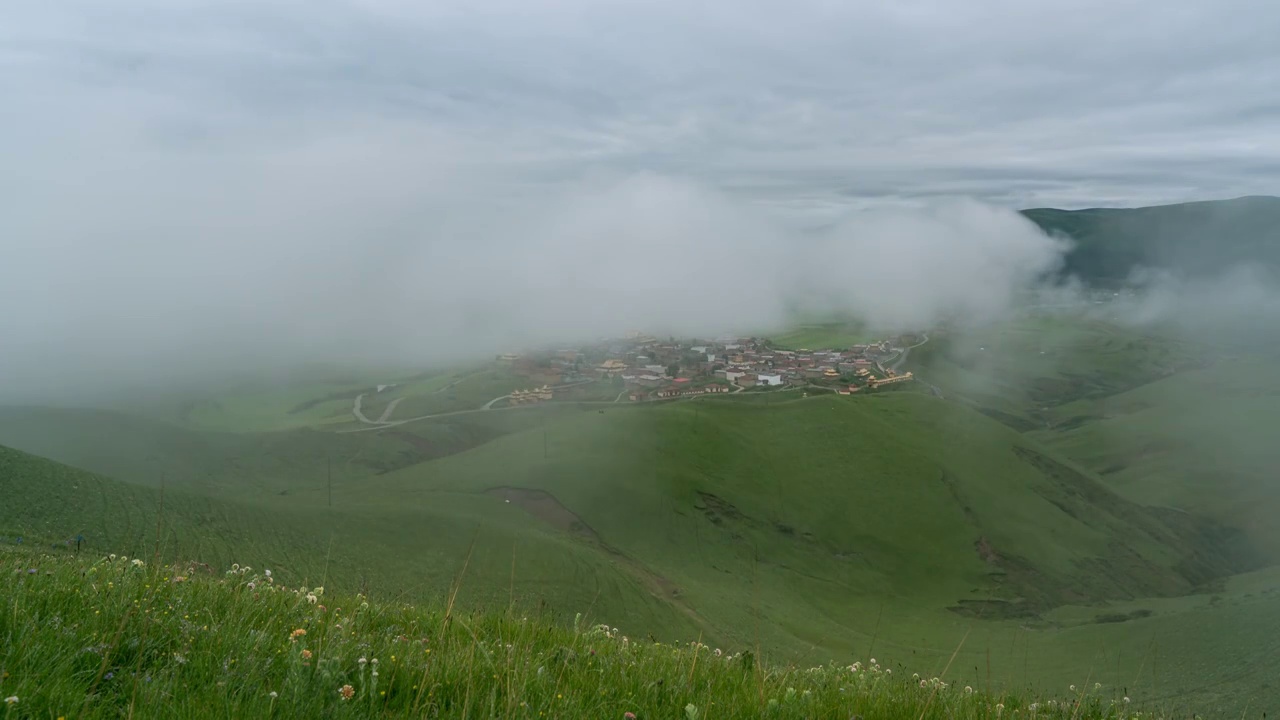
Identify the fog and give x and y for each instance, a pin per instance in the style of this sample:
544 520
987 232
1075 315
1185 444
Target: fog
391 245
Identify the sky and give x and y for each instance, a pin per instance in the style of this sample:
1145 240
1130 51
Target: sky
814 103
193 185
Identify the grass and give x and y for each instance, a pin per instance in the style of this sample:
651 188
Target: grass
816 336
1202 440
115 636
1017 370
891 525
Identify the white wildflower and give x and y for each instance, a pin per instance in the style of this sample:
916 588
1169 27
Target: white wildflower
273 694
968 690
137 563
11 700
311 598
362 661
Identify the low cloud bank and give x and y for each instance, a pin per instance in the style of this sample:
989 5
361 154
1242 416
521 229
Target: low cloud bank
141 268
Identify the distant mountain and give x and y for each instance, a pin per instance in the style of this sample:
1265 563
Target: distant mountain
1196 237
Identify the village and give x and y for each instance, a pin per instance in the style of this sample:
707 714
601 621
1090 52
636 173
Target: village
645 368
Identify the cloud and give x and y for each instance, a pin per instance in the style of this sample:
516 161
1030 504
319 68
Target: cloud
408 246
1058 103
195 185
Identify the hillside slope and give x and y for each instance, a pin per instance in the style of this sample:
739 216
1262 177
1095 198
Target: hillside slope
109 638
1198 237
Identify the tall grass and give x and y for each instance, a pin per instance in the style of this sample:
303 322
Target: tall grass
123 637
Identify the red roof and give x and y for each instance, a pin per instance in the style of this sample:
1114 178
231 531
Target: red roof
682 380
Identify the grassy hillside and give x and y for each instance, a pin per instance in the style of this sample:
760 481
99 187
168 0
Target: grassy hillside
978 531
415 553
1202 441
1017 371
1200 237
109 637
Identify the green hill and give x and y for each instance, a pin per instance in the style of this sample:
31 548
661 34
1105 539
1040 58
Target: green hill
119 637
1070 502
808 529
1197 237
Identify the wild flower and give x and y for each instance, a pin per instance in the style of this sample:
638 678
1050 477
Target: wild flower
999 709
629 715
293 636
179 658
311 598
267 573
273 694
251 586
1072 688
346 692
306 654
1125 700
968 690
362 662
11 700
137 563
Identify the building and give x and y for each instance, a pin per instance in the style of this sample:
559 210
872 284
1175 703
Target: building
879 382
830 374
610 368
773 379
528 397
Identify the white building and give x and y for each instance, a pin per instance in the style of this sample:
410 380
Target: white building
769 379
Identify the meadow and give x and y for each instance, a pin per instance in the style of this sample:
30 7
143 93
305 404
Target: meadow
114 636
987 532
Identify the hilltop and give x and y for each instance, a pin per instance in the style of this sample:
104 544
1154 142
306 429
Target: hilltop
1196 237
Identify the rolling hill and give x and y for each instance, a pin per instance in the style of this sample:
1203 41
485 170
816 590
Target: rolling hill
1198 237
809 528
